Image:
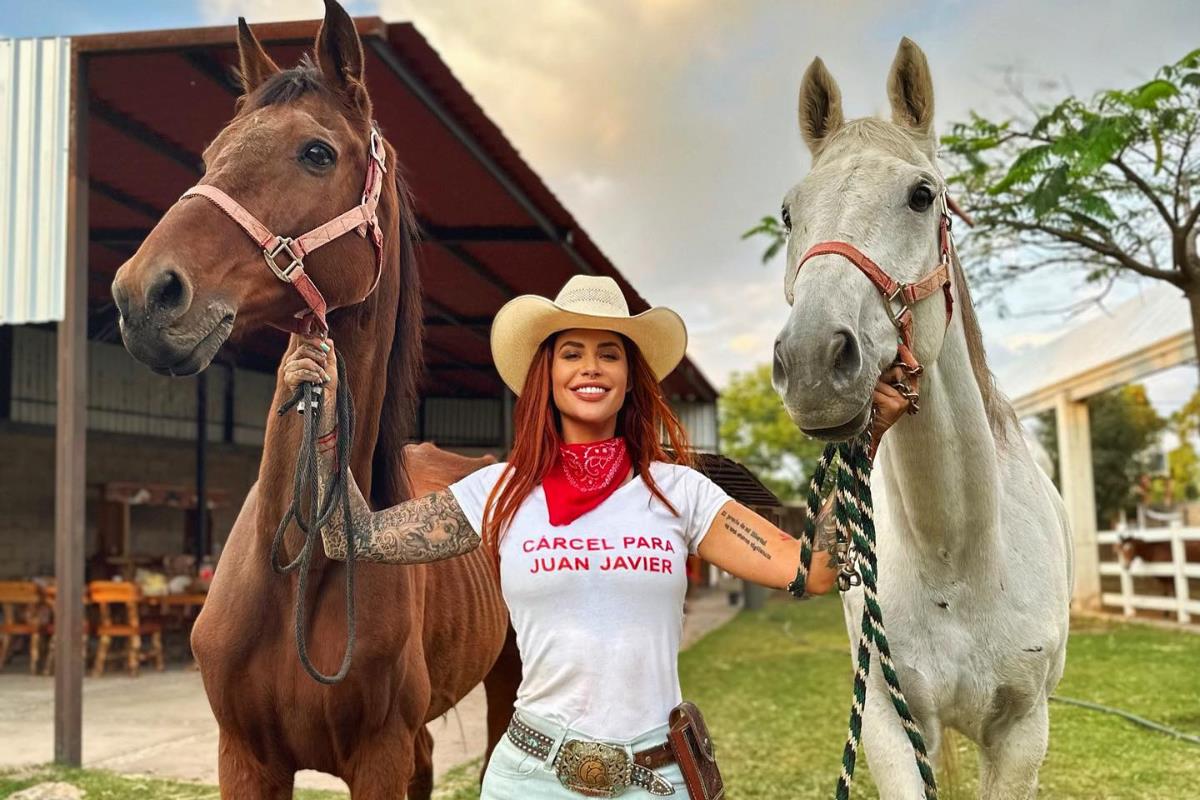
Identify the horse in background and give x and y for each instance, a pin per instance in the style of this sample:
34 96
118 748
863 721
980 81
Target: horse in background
974 551
294 155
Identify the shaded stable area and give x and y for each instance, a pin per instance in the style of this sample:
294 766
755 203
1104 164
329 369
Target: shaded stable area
106 132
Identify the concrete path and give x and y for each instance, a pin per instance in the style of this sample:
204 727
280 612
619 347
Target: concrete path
159 723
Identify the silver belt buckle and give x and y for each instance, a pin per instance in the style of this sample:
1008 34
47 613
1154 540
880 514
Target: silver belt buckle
593 769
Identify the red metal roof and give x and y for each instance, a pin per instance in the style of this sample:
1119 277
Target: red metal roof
493 228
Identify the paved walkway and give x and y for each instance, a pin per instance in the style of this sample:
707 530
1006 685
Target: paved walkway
160 724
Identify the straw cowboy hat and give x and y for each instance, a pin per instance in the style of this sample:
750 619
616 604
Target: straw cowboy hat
586 301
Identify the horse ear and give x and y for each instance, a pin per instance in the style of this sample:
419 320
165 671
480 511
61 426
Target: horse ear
340 54
255 65
910 88
820 106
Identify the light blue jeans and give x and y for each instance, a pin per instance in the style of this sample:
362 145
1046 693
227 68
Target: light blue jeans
513 774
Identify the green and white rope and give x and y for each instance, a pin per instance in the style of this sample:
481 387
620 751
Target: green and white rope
855 524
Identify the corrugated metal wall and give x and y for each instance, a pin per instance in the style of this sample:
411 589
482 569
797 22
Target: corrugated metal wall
700 421
35 92
125 397
462 422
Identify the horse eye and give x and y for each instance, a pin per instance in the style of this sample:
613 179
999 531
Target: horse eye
921 198
318 154
786 216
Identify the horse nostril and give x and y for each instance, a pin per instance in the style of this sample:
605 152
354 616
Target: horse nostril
778 371
121 299
167 292
844 357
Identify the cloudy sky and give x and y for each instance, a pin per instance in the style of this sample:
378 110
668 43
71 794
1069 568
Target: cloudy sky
668 126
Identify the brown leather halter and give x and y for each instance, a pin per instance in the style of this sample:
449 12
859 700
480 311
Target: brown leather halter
362 218
905 294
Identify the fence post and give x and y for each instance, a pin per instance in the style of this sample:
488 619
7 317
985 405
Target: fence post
1126 580
1179 560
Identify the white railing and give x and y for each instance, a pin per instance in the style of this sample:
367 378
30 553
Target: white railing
1178 570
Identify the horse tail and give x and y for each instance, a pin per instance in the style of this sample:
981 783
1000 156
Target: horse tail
389 484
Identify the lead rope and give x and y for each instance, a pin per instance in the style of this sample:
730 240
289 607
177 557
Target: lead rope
320 511
854 524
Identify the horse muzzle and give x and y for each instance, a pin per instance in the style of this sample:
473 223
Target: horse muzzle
823 382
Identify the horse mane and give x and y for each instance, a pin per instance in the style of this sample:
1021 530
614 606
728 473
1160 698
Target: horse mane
1000 415
389 483
872 132
288 85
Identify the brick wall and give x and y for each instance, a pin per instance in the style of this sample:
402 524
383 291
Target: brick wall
27 491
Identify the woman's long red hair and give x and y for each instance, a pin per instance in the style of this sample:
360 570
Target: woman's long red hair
644 420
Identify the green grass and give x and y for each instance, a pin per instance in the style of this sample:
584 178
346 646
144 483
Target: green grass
101 785
775 687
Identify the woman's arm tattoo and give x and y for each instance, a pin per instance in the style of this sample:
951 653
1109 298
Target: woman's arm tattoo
417 531
825 537
750 537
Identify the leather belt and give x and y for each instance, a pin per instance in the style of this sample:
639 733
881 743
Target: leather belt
596 769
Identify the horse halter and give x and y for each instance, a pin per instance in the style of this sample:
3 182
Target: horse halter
362 218
898 298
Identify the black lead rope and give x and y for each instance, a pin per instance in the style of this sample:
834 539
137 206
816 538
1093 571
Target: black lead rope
320 511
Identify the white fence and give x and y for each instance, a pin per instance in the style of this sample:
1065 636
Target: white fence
1173 574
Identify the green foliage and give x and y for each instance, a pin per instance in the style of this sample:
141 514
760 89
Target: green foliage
756 430
1183 463
1124 426
1101 185
773 231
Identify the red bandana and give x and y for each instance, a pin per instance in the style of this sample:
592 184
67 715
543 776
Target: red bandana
583 477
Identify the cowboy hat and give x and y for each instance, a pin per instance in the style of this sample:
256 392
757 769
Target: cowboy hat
594 302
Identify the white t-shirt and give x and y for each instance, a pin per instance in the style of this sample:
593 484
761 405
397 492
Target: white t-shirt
598 604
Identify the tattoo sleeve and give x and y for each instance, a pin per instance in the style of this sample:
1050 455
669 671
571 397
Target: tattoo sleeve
417 531
825 538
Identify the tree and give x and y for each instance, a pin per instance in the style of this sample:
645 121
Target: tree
1124 426
1183 463
1107 185
756 430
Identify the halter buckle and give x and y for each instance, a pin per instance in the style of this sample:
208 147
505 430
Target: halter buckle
377 151
897 316
283 245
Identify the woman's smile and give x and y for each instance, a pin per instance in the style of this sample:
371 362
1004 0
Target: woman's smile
591 392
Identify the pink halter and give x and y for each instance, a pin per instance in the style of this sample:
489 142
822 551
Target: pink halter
907 294
362 218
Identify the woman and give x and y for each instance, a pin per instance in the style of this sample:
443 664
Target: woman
590 521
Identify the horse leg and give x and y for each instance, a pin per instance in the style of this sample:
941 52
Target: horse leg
889 752
421 785
244 777
500 686
384 770
1009 758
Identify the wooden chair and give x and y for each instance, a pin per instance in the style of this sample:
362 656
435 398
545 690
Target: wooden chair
51 593
21 604
117 602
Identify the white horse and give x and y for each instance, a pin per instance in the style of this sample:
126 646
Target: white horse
974 550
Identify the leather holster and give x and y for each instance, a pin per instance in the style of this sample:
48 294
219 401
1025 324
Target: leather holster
693 749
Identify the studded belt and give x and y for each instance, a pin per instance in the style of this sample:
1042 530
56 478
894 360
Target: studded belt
596 769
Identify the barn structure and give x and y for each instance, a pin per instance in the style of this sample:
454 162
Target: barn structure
1145 335
101 135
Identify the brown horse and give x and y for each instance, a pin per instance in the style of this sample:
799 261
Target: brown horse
294 156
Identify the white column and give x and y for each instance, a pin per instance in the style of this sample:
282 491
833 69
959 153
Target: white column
1079 494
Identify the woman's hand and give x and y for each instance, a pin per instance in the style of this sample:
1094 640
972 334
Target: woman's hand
891 403
313 360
